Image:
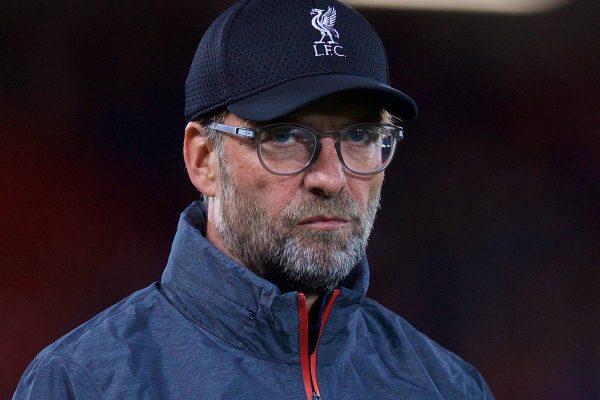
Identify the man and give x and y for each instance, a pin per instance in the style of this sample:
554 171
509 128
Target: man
290 129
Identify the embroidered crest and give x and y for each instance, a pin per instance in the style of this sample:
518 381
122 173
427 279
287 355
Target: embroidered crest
323 21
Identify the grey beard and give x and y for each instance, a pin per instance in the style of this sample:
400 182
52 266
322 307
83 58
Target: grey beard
277 249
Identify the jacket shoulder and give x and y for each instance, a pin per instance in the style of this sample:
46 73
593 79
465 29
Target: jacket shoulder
61 369
451 375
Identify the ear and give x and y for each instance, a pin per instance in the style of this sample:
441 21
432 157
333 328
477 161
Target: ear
200 160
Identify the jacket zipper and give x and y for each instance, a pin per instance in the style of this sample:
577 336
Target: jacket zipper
308 362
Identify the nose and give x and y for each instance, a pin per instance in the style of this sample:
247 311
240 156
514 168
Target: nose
326 177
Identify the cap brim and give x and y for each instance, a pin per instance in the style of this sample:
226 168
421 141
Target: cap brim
292 95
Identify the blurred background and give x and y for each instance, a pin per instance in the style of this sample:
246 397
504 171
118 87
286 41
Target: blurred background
488 240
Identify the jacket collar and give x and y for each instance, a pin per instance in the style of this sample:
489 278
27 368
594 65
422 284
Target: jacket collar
243 309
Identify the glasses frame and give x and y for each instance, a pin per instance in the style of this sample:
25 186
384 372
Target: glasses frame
253 134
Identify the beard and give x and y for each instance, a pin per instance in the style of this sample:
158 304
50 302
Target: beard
278 248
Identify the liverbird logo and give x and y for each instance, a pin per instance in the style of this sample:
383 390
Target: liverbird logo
323 21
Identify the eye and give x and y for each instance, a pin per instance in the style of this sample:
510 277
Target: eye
282 137
288 136
357 135
362 136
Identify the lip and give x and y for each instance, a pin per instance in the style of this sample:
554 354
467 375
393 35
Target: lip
325 222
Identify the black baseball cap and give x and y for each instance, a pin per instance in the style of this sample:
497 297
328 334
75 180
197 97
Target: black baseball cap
264 59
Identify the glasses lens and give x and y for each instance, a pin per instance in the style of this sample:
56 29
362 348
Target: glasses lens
286 149
367 148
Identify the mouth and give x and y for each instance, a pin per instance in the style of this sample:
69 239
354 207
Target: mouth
324 222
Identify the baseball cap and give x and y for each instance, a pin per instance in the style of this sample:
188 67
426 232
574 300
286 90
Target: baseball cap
264 59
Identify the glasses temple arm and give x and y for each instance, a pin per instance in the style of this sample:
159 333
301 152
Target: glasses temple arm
234 130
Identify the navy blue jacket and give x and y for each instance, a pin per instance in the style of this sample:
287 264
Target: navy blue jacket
211 329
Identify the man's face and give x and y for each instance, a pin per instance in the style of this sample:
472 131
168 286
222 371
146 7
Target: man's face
303 232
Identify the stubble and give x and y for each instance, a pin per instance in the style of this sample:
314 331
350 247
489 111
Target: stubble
280 249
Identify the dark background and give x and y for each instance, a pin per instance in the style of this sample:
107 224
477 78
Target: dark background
488 240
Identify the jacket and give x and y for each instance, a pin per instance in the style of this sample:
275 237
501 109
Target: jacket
212 329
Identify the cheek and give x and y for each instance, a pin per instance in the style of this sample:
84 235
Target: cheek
276 195
243 165
375 187
271 192
365 190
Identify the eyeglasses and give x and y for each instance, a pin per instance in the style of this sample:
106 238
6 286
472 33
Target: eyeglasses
288 149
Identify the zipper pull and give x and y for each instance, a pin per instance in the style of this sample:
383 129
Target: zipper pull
316 396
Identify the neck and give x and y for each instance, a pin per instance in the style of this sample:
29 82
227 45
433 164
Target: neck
312 306
311 300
